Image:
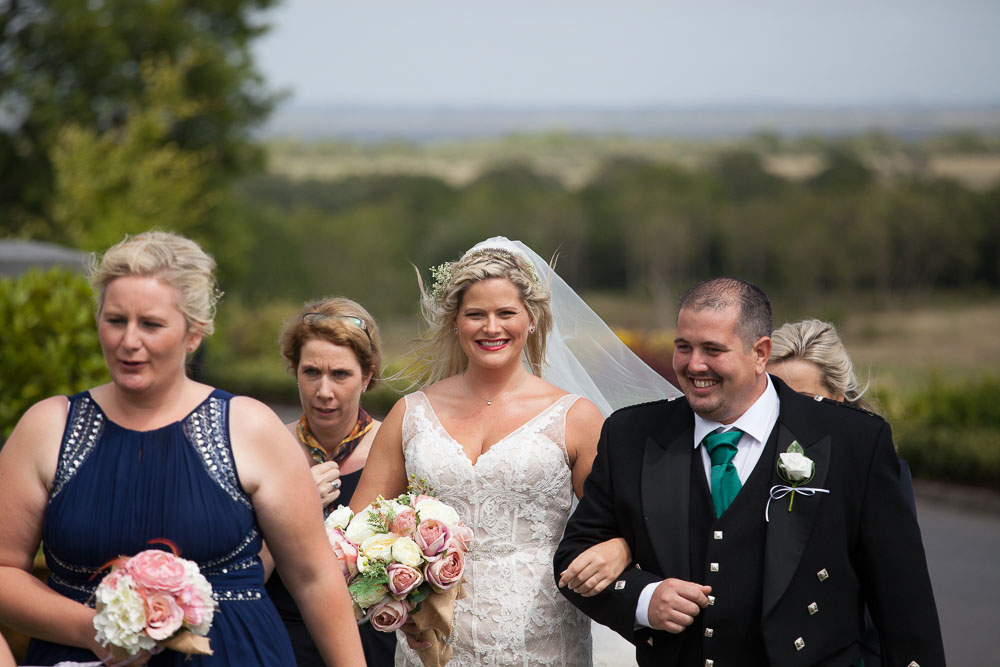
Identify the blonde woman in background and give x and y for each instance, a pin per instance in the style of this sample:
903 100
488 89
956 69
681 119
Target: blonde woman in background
811 359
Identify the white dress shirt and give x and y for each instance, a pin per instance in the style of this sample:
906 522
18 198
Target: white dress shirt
756 423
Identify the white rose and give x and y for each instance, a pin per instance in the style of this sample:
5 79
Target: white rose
406 551
430 508
798 467
379 547
358 530
340 517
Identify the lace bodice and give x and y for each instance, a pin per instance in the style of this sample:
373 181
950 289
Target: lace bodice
516 498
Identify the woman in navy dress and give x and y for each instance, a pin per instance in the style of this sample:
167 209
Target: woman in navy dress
333 348
154 454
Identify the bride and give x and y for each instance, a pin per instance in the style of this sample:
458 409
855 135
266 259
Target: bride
498 436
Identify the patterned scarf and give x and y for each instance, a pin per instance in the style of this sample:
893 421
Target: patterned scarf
346 446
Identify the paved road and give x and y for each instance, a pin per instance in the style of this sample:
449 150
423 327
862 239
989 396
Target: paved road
963 555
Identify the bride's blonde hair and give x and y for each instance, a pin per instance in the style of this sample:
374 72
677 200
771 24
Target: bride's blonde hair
438 354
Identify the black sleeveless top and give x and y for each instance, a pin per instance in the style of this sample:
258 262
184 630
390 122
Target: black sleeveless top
379 647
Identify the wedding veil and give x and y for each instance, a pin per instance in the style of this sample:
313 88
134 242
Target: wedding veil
583 355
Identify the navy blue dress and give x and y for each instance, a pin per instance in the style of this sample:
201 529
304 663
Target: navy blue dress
115 489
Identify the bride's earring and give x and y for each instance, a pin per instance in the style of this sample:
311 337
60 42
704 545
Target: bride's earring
531 329
456 329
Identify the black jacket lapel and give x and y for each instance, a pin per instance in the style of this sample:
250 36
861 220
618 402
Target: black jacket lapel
666 494
788 532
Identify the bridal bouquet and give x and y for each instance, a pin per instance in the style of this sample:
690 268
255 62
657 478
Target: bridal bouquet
154 600
404 559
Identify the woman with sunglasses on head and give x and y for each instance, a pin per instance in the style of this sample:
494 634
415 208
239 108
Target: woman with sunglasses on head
334 350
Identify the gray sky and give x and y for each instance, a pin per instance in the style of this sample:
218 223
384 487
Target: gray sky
628 53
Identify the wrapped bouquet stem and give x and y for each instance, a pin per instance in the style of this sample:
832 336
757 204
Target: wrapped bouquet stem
433 622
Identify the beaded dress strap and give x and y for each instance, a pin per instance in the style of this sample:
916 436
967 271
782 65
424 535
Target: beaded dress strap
84 427
207 429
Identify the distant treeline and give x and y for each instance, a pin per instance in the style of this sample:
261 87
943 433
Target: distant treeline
639 226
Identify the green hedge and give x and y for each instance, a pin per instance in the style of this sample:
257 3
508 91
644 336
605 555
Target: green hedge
952 431
49 344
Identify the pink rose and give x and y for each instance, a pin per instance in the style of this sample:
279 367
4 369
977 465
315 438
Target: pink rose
163 615
421 497
431 536
345 551
404 523
157 570
193 606
461 538
403 579
446 571
389 615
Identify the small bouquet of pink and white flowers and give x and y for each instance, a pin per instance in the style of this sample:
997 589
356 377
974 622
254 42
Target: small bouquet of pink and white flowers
155 600
395 553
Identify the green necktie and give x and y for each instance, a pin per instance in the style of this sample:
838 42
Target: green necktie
725 480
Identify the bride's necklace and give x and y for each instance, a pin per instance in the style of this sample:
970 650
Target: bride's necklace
489 401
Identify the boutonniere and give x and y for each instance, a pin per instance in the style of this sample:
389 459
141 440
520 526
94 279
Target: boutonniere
798 470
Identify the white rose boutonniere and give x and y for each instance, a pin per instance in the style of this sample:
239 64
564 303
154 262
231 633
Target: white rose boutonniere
798 470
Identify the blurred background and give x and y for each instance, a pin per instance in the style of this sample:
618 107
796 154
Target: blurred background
844 156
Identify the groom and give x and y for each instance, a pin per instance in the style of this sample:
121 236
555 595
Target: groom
730 566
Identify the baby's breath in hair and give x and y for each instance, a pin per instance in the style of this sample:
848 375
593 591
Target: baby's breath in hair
442 277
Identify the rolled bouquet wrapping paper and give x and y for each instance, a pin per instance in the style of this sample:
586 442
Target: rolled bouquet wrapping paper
155 600
404 559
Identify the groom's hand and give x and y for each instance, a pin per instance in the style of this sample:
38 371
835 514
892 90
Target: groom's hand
675 603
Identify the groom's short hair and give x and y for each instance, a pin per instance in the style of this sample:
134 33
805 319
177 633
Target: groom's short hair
755 320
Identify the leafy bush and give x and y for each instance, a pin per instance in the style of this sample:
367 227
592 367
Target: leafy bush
952 432
49 344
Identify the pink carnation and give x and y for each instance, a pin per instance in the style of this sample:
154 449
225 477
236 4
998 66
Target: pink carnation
157 570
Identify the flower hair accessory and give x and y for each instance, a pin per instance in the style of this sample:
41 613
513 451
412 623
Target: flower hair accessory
798 470
442 274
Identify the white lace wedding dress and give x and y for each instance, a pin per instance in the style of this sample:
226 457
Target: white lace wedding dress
516 498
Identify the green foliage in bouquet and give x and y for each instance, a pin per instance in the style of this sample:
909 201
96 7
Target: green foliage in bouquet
49 344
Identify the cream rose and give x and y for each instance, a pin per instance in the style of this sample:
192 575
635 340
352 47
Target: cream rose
358 530
340 517
406 551
432 508
379 547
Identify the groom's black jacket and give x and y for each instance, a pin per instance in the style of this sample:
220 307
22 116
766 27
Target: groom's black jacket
820 563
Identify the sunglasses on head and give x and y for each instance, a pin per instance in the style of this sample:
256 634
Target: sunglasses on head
309 318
